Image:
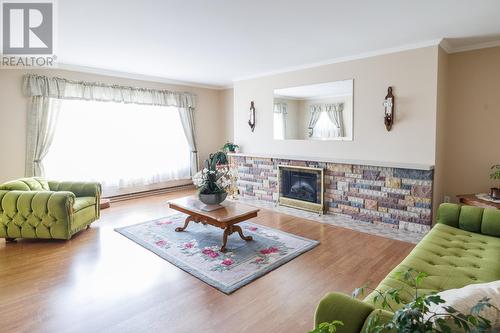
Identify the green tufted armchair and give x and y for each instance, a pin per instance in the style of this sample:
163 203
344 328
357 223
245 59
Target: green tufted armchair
35 208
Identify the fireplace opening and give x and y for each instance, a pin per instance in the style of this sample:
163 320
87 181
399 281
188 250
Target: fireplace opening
301 187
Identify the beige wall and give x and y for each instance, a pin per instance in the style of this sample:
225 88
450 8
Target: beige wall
472 127
226 104
210 130
441 120
413 74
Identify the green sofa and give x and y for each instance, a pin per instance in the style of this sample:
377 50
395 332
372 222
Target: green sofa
462 248
35 208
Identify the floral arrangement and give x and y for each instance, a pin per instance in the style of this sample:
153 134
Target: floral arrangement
215 176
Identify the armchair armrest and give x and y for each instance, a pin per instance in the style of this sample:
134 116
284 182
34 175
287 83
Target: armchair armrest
80 189
336 306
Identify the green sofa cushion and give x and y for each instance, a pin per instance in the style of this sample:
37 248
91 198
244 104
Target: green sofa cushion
26 184
453 258
82 217
470 218
448 214
83 202
491 222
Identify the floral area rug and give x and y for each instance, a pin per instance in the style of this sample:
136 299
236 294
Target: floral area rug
196 250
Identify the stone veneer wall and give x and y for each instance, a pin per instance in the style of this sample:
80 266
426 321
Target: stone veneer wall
392 197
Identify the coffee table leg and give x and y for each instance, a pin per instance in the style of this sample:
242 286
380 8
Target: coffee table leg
186 222
228 231
240 232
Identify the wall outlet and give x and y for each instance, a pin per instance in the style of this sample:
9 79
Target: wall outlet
447 198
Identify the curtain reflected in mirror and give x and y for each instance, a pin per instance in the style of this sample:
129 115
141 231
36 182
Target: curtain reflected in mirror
280 120
314 112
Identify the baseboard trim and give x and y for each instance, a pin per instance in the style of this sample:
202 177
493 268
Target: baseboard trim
142 194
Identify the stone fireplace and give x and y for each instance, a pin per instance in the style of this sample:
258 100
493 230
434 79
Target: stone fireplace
301 187
393 195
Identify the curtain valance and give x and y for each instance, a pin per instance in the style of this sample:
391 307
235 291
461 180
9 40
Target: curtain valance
54 87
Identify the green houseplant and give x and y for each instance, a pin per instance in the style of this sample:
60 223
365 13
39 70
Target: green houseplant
230 147
495 175
213 181
416 315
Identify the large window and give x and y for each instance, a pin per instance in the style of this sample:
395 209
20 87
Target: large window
120 145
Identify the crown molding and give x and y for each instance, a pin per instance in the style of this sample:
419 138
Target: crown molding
445 44
365 55
134 76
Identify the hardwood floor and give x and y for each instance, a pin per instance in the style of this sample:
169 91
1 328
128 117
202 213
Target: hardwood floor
101 281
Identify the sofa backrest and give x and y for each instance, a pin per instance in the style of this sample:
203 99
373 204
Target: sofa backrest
26 184
474 219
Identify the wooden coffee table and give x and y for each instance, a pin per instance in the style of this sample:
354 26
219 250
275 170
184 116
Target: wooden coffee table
224 218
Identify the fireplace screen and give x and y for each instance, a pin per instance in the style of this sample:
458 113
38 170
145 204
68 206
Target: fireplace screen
301 187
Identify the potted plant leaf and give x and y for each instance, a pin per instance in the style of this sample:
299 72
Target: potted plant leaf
213 181
495 175
230 147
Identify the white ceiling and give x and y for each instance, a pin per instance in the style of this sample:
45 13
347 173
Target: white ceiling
214 42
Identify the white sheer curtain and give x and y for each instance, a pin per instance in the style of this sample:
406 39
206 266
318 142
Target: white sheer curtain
279 121
120 145
43 115
187 119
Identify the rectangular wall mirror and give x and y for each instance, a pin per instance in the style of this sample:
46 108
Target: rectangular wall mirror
321 111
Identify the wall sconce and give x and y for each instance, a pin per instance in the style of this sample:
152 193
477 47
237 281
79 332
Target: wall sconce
251 120
389 109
